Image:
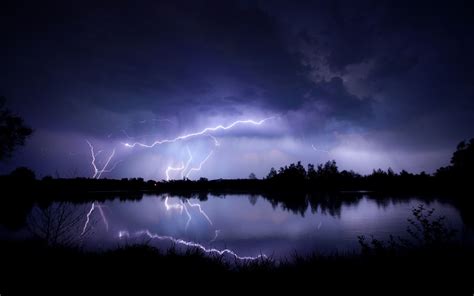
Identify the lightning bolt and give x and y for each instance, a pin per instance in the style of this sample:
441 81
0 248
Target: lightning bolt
182 168
179 206
189 216
201 211
200 133
216 234
88 219
182 206
200 164
216 142
94 155
319 150
187 163
168 207
170 168
97 174
124 233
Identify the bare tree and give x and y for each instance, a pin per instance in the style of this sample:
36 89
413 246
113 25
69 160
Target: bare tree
59 224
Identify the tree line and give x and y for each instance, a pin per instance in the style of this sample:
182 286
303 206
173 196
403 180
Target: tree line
456 175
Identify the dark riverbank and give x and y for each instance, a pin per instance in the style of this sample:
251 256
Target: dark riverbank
22 191
436 262
376 182
292 185
34 264
84 189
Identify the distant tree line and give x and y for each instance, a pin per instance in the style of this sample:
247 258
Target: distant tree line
292 178
327 176
294 187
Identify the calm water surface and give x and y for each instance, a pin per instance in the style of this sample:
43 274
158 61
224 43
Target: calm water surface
250 225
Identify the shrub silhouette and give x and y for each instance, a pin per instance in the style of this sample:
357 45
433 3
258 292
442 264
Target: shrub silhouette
58 224
425 232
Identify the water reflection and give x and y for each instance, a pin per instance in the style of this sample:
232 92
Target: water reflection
250 225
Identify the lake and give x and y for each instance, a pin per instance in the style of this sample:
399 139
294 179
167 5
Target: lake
247 225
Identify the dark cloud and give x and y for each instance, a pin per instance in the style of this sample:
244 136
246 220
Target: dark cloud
416 56
159 57
396 72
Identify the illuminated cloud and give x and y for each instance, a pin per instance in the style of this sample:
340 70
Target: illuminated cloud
395 76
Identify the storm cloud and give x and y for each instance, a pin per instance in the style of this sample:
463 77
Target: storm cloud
372 83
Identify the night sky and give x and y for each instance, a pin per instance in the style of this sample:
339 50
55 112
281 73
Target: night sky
368 83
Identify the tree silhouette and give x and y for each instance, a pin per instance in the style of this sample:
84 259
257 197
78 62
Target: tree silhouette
23 173
13 131
273 173
462 163
58 224
463 158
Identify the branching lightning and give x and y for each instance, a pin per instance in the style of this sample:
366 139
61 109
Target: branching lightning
97 174
185 172
216 234
200 164
123 233
170 168
202 132
178 207
201 211
182 168
182 206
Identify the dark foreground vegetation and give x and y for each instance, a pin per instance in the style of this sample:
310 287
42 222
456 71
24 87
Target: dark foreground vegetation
428 260
140 267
